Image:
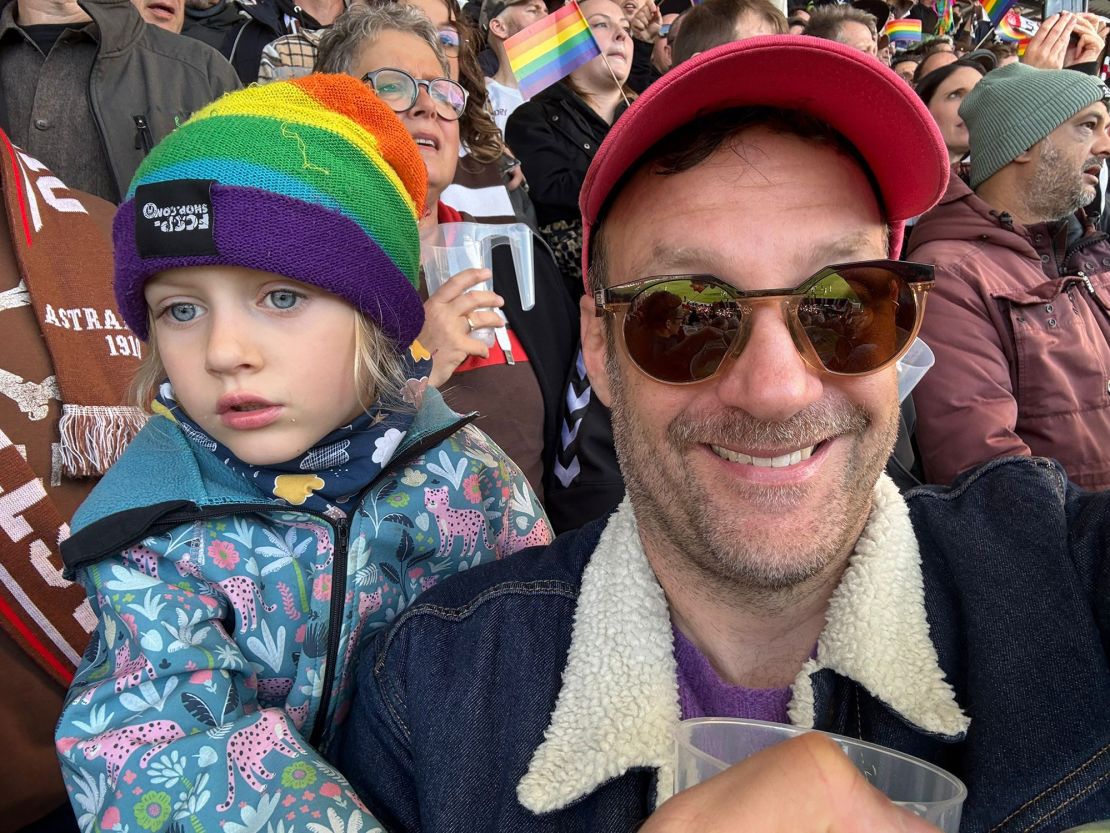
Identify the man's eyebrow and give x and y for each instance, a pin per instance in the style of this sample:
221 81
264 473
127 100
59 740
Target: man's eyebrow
845 249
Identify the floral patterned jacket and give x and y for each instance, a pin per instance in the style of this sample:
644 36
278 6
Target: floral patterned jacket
227 623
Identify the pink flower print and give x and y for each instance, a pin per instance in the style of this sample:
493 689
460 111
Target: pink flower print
200 677
330 790
321 587
223 554
110 819
471 489
129 777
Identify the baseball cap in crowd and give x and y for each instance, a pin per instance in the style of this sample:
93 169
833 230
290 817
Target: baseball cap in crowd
491 9
882 118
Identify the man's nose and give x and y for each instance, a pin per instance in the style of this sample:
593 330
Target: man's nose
769 379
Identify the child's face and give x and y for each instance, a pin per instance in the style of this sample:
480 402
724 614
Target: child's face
263 363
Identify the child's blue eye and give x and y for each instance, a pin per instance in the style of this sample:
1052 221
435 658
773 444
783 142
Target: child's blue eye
284 298
182 313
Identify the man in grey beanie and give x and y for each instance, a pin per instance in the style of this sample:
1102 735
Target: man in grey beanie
1020 317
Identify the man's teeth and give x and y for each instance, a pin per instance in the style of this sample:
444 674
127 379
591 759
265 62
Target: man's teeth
782 461
426 143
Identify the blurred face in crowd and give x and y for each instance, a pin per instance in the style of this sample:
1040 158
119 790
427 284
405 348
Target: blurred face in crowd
437 137
857 36
517 17
1067 163
166 14
935 61
905 70
697 457
436 11
630 7
750 24
945 107
661 51
611 29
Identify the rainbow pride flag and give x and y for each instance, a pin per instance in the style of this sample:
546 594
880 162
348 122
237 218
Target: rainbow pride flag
551 49
1013 28
904 30
996 9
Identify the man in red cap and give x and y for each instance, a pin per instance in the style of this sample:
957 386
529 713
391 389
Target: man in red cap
763 565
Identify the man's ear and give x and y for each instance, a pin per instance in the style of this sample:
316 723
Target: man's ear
594 348
497 27
1029 155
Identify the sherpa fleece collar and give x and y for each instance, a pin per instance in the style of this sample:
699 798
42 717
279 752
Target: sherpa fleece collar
618 707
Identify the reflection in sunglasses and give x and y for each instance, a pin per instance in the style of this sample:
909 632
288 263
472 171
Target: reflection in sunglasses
851 319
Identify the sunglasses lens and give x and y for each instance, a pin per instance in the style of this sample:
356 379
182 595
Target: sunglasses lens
858 318
680 330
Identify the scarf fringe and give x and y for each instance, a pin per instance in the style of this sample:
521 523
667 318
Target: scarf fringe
94 436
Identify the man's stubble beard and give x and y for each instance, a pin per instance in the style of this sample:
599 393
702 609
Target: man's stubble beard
1055 192
689 529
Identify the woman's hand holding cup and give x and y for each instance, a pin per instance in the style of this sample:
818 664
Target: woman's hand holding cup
451 314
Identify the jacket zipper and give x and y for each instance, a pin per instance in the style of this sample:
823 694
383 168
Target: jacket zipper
1091 291
339 568
144 140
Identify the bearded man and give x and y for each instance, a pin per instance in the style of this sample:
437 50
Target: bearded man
743 321
1020 319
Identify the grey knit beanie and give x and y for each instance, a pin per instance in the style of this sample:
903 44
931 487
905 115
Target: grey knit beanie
1016 106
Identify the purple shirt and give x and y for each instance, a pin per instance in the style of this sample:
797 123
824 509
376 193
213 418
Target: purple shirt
702 693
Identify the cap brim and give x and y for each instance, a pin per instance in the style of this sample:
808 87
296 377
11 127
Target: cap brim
874 109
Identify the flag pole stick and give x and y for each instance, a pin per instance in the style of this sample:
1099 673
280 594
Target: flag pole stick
605 60
990 32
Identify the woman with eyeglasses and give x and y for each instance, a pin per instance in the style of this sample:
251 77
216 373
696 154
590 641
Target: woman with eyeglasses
557 133
397 52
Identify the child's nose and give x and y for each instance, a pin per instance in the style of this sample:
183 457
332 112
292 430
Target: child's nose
230 348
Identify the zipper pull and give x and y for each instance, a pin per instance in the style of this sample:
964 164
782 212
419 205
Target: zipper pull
143 139
1087 283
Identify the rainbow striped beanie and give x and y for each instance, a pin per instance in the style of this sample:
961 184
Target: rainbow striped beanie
314 179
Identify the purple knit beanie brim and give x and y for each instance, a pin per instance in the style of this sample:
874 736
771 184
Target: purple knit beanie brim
263 230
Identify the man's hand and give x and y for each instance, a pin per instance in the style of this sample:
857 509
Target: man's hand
1049 47
450 314
1087 40
646 21
805 785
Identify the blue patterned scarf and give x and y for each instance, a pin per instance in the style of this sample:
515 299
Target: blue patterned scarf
330 475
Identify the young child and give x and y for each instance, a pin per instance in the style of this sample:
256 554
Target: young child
297 486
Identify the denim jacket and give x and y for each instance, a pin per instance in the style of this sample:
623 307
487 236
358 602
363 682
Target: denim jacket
969 629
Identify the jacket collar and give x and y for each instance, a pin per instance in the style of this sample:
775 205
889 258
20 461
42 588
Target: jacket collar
618 705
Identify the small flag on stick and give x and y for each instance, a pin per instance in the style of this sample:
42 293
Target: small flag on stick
996 9
904 30
1013 28
551 49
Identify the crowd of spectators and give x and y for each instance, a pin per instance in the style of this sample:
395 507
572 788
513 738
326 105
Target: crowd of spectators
1018 322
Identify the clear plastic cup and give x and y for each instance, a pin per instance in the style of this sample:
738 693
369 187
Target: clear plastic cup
459 246
707 746
913 366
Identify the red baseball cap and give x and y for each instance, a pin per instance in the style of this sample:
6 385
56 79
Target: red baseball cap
856 95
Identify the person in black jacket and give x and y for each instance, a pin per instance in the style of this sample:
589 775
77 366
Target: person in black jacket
557 133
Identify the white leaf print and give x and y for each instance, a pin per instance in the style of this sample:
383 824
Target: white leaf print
270 649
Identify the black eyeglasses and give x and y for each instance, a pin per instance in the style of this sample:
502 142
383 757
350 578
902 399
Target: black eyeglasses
400 90
851 319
